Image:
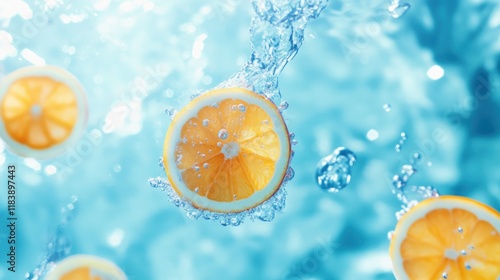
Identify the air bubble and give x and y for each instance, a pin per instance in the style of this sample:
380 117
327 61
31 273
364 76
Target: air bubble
222 134
205 122
196 168
283 105
205 165
460 229
467 266
196 190
444 275
387 107
242 108
463 252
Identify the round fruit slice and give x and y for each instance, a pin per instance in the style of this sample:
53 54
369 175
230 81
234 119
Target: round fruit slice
447 237
227 151
43 111
85 267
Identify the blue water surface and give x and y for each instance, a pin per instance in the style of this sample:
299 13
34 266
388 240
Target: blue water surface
362 77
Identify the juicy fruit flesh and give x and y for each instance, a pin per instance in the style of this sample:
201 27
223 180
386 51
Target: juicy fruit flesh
228 151
81 273
39 112
453 243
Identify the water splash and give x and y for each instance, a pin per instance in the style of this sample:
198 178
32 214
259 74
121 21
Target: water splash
276 34
59 245
397 9
333 172
410 195
264 212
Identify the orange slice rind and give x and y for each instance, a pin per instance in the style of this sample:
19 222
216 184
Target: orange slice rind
85 267
447 237
43 111
227 151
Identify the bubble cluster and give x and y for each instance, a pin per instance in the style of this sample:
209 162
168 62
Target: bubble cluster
333 172
264 212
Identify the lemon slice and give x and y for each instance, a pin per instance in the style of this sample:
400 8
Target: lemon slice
85 267
448 237
227 151
43 111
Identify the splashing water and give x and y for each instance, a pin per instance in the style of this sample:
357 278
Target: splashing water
58 247
333 172
276 34
410 195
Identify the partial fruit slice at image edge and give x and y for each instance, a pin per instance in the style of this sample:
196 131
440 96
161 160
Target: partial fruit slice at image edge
85 267
43 111
447 237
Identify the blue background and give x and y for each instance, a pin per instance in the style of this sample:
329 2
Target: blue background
355 59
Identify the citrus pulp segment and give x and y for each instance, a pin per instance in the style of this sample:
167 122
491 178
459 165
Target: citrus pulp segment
43 111
85 267
227 151
447 237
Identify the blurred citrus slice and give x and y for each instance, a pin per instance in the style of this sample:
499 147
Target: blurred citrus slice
85 267
43 111
227 151
448 237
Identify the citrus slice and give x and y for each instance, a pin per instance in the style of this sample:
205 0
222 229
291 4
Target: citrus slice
43 111
447 237
85 267
227 151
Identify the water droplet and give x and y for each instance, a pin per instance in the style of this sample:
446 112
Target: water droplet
234 196
205 122
460 229
196 190
387 107
290 173
242 108
283 105
467 266
463 252
444 275
333 172
397 10
222 134
205 165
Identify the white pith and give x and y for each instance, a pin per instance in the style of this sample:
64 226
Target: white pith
443 202
66 78
101 265
191 110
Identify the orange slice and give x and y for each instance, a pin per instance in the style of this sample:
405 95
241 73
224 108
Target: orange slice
447 237
43 111
85 267
227 151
